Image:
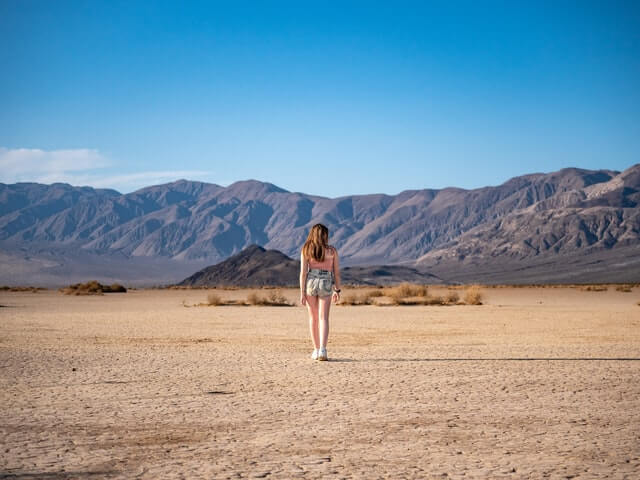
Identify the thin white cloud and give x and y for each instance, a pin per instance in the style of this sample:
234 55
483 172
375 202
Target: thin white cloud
24 164
80 167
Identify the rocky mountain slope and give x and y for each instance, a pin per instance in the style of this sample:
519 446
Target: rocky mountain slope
599 216
528 218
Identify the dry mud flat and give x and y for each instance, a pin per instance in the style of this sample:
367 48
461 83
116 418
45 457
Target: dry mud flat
536 383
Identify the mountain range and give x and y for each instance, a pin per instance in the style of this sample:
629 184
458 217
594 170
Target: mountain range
569 225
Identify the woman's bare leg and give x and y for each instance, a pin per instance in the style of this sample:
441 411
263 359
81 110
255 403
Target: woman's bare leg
325 306
312 306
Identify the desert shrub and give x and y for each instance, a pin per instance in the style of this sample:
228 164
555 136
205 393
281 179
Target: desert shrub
115 288
214 299
89 288
355 299
473 295
437 300
274 299
92 287
594 288
277 298
395 297
408 290
349 299
408 294
254 299
624 288
7 288
411 301
403 290
411 294
452 297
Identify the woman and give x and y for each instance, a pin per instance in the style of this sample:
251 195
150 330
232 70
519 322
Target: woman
319 284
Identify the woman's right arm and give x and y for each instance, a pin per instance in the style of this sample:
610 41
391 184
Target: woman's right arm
303 279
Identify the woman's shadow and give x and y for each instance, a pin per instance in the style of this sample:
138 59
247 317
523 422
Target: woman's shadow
503 359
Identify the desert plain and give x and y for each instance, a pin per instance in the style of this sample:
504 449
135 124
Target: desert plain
535 383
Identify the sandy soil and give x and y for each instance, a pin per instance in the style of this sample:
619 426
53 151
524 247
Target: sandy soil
536 383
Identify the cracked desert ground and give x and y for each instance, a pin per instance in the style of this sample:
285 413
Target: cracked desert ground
536 383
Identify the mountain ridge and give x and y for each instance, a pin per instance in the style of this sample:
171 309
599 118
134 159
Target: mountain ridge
525 218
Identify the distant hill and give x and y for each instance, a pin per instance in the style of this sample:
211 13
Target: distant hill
254 266
257 267
59 233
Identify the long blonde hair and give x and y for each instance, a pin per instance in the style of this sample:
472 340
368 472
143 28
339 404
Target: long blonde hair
317 243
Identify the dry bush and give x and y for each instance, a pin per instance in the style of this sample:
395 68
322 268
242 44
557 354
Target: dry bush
89 288
396 298
7 288
350 299
421 291
452 297
214 299
274 299
114 288
411 294
594 288
407 294
437 300
624 288
405 301
92 287
403 290
395 294
355 299
473 295
254 299
277 298
408 290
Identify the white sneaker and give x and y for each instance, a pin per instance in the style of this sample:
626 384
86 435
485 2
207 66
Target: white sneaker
314 355
322 354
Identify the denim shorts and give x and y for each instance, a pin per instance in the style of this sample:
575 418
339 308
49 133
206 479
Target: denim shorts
319 282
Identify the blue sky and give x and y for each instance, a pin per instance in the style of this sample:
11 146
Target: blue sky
329 98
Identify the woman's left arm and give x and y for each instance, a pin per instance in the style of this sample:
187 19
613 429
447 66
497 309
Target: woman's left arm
336 275
303 279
